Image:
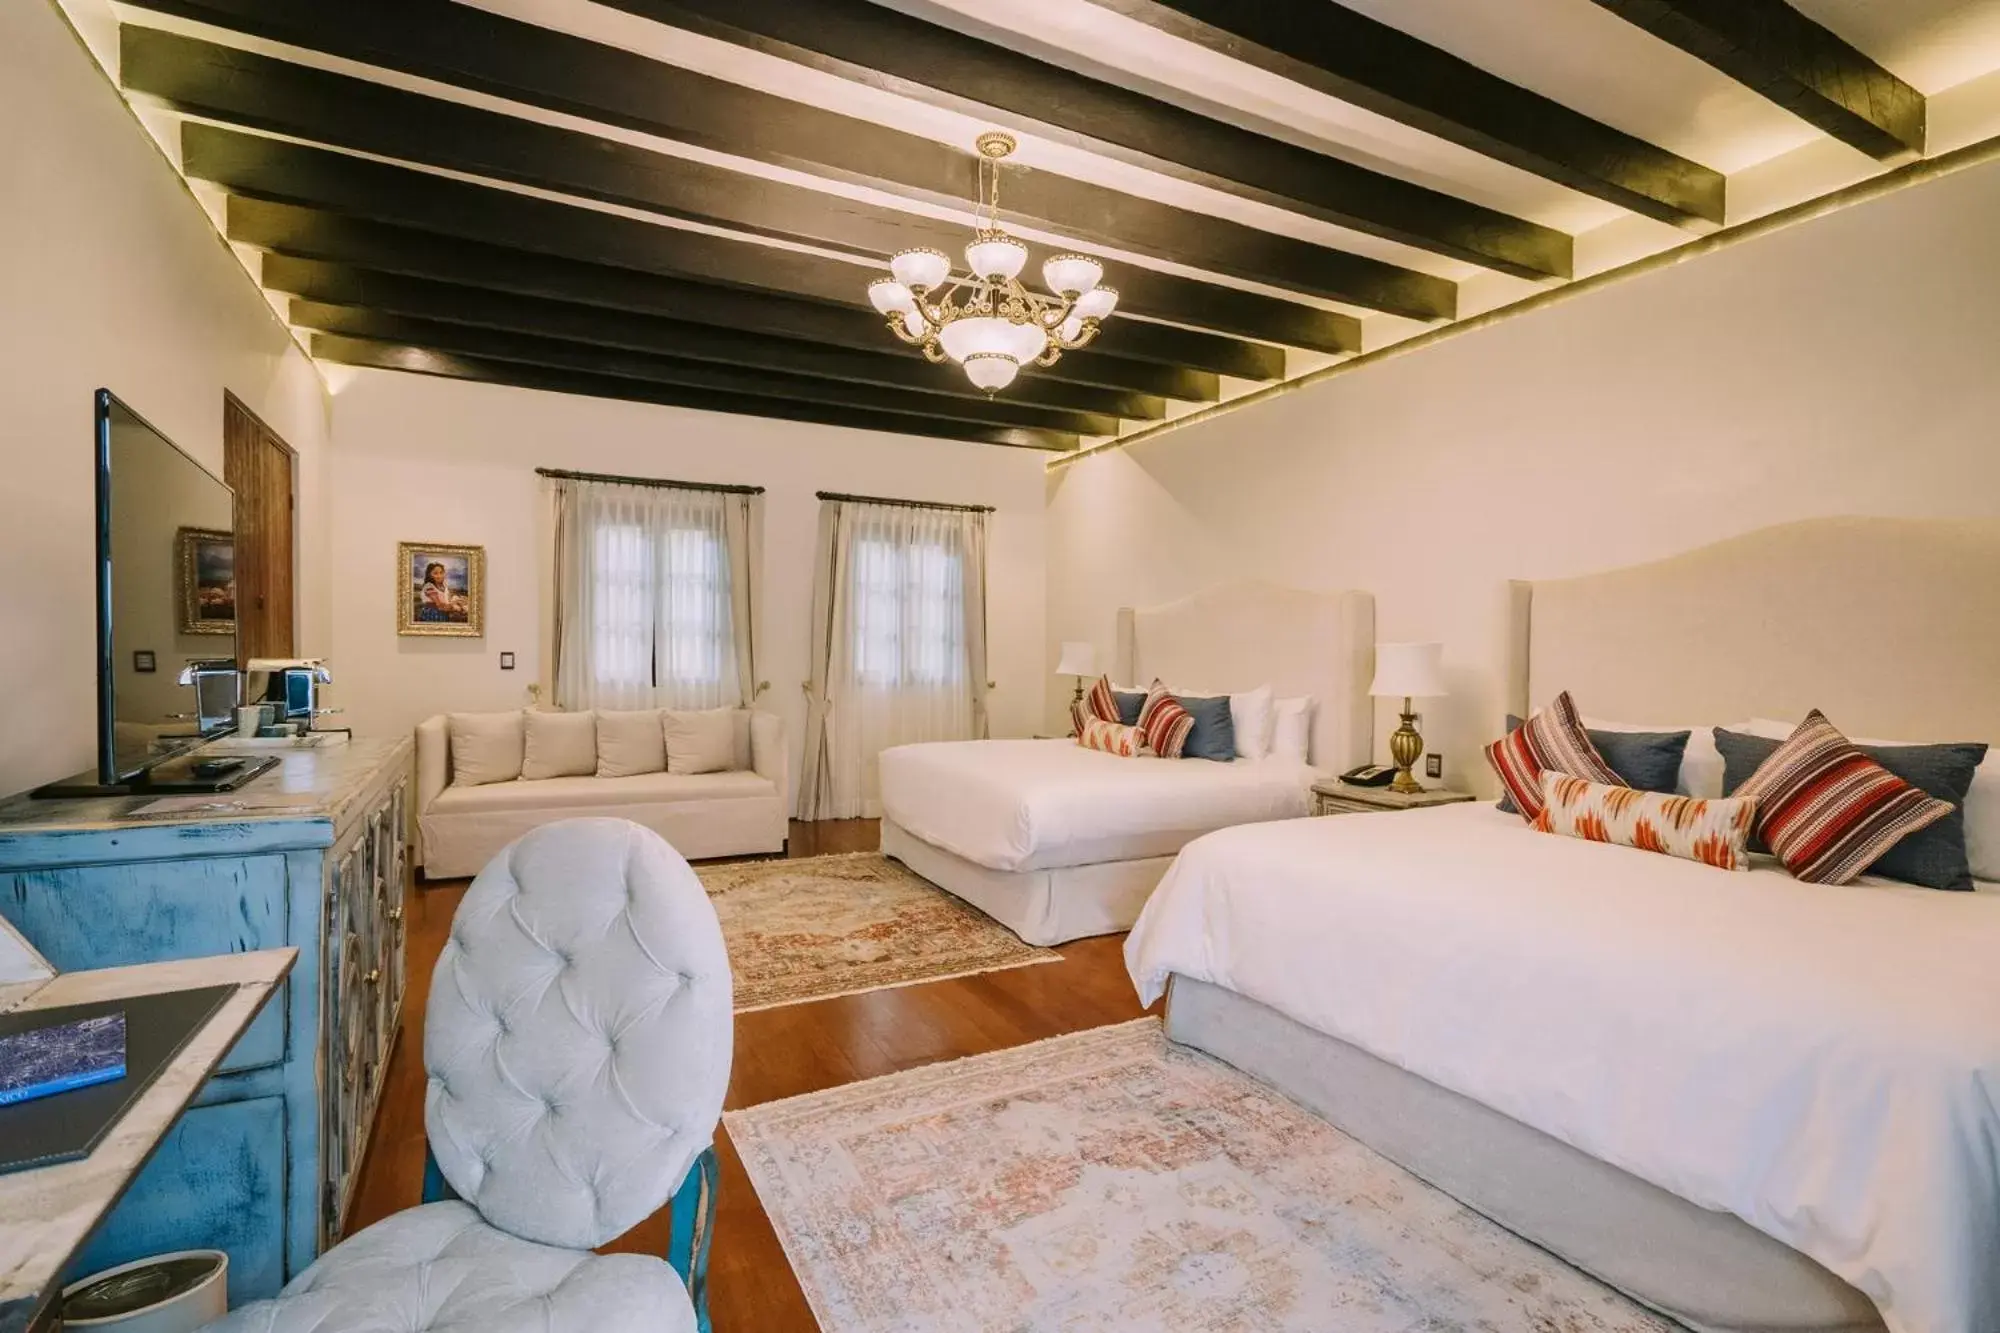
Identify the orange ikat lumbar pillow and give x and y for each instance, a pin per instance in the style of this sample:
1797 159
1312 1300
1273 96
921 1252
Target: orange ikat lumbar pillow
1110 737
1714 832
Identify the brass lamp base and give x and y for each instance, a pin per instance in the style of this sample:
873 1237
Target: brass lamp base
1406 747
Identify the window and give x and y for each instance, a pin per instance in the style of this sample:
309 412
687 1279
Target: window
909 616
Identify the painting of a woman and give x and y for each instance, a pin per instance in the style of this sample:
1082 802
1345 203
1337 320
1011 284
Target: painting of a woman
441 589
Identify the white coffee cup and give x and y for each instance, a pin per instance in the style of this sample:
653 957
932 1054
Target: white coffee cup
248 719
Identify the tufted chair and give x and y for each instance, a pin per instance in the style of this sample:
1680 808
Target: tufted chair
577 1045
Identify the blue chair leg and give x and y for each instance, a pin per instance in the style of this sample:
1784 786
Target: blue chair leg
693 1229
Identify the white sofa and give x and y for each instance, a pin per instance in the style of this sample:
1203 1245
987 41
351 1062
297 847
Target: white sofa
742 812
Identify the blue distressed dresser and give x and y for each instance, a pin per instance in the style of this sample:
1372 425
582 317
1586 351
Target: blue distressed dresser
311 854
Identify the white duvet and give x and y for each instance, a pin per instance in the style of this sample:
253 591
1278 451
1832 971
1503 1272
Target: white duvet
1822 1062
1040 805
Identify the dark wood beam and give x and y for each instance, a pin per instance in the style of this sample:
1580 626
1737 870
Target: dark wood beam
1772 48
524 62
289 232
241 88
1359 60
559 354
882 48
346 351
326 286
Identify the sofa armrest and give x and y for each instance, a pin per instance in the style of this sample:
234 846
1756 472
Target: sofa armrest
768 757
433 760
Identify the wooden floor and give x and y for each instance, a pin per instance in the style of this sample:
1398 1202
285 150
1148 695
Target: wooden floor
779 1053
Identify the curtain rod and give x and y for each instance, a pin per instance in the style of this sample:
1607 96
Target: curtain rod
648 481
907 504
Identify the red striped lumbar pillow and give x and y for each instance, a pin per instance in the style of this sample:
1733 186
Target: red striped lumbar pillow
1110 737
1714 832
1100 703
1165 723
1554 741
1828 810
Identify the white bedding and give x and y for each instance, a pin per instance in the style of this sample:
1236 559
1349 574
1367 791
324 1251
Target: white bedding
1822 1062
1043 805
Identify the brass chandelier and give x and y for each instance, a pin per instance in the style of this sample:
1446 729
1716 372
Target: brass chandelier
987 321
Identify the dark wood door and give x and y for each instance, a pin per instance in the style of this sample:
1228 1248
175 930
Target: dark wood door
259 467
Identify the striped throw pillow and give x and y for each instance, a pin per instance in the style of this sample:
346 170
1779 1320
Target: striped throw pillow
1101 703
1110 737
1165 723
1828 810
1553 740
1716 832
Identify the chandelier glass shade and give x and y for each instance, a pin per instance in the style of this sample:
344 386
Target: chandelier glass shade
987 320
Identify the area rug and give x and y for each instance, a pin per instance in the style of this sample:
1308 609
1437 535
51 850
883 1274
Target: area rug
1110 1180
839 925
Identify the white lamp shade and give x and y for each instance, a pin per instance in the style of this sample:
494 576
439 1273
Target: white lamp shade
1071 275
913 323
1030 341
890 297
1078 659
1409 670
1096 303
981 333
996 257
921 270
1071 329
991 371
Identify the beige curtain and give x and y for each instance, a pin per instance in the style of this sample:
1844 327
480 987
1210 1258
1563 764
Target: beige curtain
743 521
827 618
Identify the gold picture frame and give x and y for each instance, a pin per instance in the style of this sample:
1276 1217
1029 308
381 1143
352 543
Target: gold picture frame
440 590
205 581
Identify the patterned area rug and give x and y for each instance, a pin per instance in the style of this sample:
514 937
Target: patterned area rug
1110 1180
839 925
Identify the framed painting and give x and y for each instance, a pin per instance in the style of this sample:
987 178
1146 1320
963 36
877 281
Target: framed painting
205 581
440 589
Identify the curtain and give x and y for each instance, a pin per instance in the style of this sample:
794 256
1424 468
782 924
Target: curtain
899 644
655 600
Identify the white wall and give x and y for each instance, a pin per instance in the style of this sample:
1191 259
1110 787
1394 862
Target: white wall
422 459
110 275
1850 364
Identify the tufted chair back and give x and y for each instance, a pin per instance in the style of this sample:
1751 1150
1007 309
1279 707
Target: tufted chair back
579 1033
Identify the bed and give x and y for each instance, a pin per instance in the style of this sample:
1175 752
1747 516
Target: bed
1057 842
1749 1102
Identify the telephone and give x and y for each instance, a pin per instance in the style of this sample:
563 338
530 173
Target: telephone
1369 775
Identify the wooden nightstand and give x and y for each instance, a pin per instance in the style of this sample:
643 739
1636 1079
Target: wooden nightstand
1334 797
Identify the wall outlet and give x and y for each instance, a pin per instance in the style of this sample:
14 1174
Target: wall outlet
1433 765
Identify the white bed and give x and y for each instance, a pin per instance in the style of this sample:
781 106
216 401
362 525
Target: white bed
1057 842
1751 1102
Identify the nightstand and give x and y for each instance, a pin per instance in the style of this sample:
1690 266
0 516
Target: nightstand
1333 797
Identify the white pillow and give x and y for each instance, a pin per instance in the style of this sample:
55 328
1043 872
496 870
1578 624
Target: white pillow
1701 763
631 743
1291 729
485 747
559 745
1250 716
701 742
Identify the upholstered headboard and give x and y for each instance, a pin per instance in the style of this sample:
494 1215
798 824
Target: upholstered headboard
1891 626
1239 636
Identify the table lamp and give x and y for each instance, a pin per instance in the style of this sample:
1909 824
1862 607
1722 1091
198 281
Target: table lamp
1408 671
1078 659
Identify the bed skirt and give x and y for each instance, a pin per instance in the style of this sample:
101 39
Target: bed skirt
1041 906
1707 1269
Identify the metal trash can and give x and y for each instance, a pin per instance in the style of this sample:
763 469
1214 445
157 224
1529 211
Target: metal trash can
168 1293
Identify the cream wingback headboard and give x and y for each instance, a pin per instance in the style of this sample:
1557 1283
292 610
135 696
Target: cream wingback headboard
1238 636
1891 626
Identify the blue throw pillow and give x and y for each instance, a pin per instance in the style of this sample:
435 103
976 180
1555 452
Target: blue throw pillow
1646 760
1933 857
1129 703
1214 734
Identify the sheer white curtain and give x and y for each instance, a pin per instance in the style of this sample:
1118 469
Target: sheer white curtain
899 644
654 601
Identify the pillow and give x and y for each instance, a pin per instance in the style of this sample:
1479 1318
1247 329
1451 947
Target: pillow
1291 729
1646 760
485 747
701 742
1098 702
1828 810
1250 717
1934 857
1714 832
1129 704
559 745
1701 765
1552 739
1164 722
631 743
1214 733
1111 737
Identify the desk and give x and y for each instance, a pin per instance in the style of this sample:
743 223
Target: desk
46 1214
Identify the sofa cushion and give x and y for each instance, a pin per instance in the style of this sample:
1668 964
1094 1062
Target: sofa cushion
631 743
701 742
601 793
486 747
559 745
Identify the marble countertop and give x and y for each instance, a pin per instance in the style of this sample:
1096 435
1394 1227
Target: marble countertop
47 1213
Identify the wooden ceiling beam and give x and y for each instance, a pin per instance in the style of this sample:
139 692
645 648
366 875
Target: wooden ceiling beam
1805 68
472 48
241 88
342 350
881 48
1334 50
